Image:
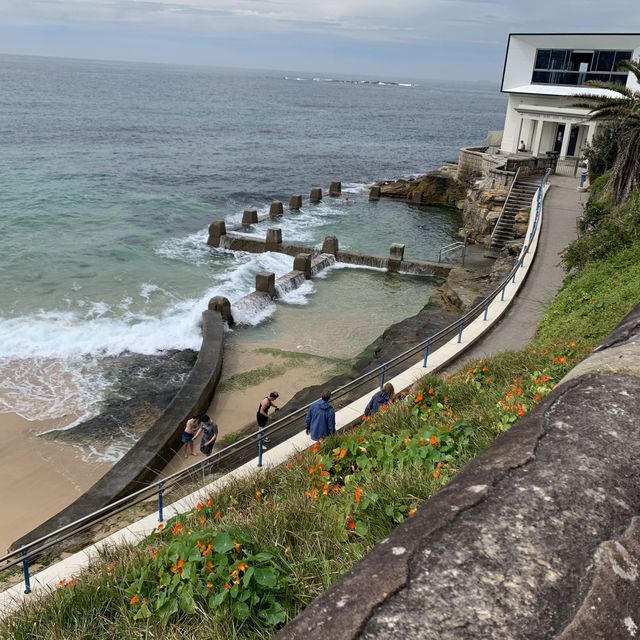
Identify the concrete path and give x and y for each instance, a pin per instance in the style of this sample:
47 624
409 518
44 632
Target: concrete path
562 206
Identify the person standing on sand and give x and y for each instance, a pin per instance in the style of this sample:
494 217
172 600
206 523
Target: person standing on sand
321 417
379 399
209 435
263 414
191 431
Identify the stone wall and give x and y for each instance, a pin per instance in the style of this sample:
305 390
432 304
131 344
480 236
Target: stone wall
150 453
538 537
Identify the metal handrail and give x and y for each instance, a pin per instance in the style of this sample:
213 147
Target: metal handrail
506 202
449 248
37 547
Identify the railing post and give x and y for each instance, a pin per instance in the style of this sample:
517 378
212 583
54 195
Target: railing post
426 354
260 450
160 502
504 286
460 332
514 275
486 310
25 572
382 376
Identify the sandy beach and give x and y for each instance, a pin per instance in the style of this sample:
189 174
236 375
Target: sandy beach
37 477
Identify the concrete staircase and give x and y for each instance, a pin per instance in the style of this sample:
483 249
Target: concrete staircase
520 197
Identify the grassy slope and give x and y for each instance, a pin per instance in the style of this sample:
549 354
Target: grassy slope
264 548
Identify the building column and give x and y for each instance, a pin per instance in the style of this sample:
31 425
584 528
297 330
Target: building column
518 138
537 138
591 130
565 140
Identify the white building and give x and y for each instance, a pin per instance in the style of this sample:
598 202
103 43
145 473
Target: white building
543 73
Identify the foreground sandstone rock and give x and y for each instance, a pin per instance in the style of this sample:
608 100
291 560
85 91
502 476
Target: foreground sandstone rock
536 538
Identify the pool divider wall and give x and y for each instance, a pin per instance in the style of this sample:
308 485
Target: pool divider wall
149 455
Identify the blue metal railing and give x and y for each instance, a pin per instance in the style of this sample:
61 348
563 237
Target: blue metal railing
28 552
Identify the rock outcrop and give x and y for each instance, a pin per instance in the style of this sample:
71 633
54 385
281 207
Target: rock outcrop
439 187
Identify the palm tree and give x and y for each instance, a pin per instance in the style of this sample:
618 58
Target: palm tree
624 110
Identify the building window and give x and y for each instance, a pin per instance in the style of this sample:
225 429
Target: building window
577 67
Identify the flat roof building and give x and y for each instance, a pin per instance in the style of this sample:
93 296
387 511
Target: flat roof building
542 75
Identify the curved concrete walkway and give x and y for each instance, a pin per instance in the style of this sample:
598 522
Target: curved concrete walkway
563 205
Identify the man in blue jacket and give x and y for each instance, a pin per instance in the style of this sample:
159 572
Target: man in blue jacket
321 417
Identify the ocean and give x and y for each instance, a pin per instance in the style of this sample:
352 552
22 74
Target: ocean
111 172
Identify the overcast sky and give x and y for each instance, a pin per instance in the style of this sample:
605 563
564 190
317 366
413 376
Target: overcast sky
391 38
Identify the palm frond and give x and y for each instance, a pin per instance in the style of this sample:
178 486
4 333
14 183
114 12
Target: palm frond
631 65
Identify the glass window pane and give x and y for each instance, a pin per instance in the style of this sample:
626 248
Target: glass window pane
619 78
542 58
598 77
541 77
605 60
620 56
558 57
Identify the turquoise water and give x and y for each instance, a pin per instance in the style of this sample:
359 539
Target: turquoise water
111 172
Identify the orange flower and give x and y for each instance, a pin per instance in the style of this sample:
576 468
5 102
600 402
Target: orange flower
537 397
436 473
431 391
135 599
405 440
343 453
411 511
63 582
209 566
418 398
202 519
227 585
258 495
439 465
286 551
209 501
350 523
207 551
313 494
336 488
209 585
198 506
358 494
324 473
217 515
177 528
484 369
422 441
433 440
573 344
160 526
236 545
520 411
325 491
312 470
154 553
242 566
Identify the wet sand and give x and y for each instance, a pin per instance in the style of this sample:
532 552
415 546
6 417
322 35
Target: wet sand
37 477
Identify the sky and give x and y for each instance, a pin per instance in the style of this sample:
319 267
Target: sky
397 39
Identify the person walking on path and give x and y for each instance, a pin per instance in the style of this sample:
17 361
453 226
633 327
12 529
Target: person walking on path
262 416
209 435
380 399
321 417
190 433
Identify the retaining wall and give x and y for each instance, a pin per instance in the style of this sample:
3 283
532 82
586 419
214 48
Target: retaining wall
149 455
535 538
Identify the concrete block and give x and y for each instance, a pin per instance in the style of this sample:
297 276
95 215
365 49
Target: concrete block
374 193
335 188
274 238
250 216
216 229
295 202
315 195
266 282
396 256
330 245
221 305
302 262
276 208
